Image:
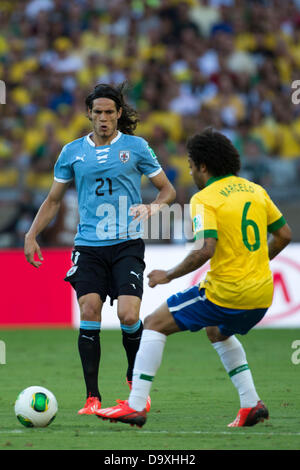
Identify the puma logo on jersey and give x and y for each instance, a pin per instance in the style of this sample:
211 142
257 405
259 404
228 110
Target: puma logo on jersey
135 274
88 337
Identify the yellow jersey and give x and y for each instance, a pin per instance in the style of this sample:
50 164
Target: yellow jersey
239 214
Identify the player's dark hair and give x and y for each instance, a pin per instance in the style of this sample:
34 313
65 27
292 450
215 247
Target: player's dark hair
128 121
215 151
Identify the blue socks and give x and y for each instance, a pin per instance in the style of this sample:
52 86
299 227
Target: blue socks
131 329
90 325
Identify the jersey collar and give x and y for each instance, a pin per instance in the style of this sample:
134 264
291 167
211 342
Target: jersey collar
216 178
88 138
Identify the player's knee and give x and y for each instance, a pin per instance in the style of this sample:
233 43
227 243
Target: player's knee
161 321
214 335
128 316
89 311
147 322
128 310
151 323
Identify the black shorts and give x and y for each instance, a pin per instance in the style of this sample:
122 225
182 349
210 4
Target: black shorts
108 270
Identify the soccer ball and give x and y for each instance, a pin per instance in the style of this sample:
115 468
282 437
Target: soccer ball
36 407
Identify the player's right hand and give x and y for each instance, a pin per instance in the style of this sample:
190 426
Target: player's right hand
31 247
158 276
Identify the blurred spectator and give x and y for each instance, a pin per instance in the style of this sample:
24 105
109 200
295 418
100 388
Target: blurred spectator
12 234
255 164
230 106
204 14
35 6
287 130
65 61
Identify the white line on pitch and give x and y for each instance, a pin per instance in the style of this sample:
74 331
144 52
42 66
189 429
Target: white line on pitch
228 433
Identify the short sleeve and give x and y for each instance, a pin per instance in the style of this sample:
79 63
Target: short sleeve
63 171
148 163
203 219
275 219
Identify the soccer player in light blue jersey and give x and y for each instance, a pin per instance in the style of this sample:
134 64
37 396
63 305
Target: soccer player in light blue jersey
108 257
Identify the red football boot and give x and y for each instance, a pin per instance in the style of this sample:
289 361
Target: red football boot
92 405
124 414
148 404
250 416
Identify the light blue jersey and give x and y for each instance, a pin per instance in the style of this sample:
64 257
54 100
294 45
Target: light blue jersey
108 183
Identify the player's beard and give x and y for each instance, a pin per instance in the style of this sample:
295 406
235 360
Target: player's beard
105 133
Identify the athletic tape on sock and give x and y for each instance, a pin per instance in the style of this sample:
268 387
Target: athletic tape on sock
90 325
238 369
146 377
130 329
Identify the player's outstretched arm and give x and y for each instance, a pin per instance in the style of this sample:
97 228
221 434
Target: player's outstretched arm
166 195
166 190
194 260
279 240
46 213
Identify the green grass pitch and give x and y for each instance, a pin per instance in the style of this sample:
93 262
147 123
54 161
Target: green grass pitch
193 399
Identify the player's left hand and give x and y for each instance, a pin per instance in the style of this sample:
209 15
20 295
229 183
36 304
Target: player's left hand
140 212
158 276
31 248
143 211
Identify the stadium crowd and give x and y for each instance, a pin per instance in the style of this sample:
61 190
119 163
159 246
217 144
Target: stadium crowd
189 64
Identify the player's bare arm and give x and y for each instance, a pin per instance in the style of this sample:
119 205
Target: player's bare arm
279 240
194 260
166 195
46 213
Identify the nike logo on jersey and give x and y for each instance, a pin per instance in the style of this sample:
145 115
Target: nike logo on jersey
80 158
133 285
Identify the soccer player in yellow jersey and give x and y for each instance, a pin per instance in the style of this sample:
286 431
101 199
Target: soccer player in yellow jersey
231 220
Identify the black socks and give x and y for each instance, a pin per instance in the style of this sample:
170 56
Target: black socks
90 352
131 343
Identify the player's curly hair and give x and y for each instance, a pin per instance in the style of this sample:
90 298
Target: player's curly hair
129 119
215 151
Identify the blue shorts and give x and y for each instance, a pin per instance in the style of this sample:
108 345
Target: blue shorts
192 311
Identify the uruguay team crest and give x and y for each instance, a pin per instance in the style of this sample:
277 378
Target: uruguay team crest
124 156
